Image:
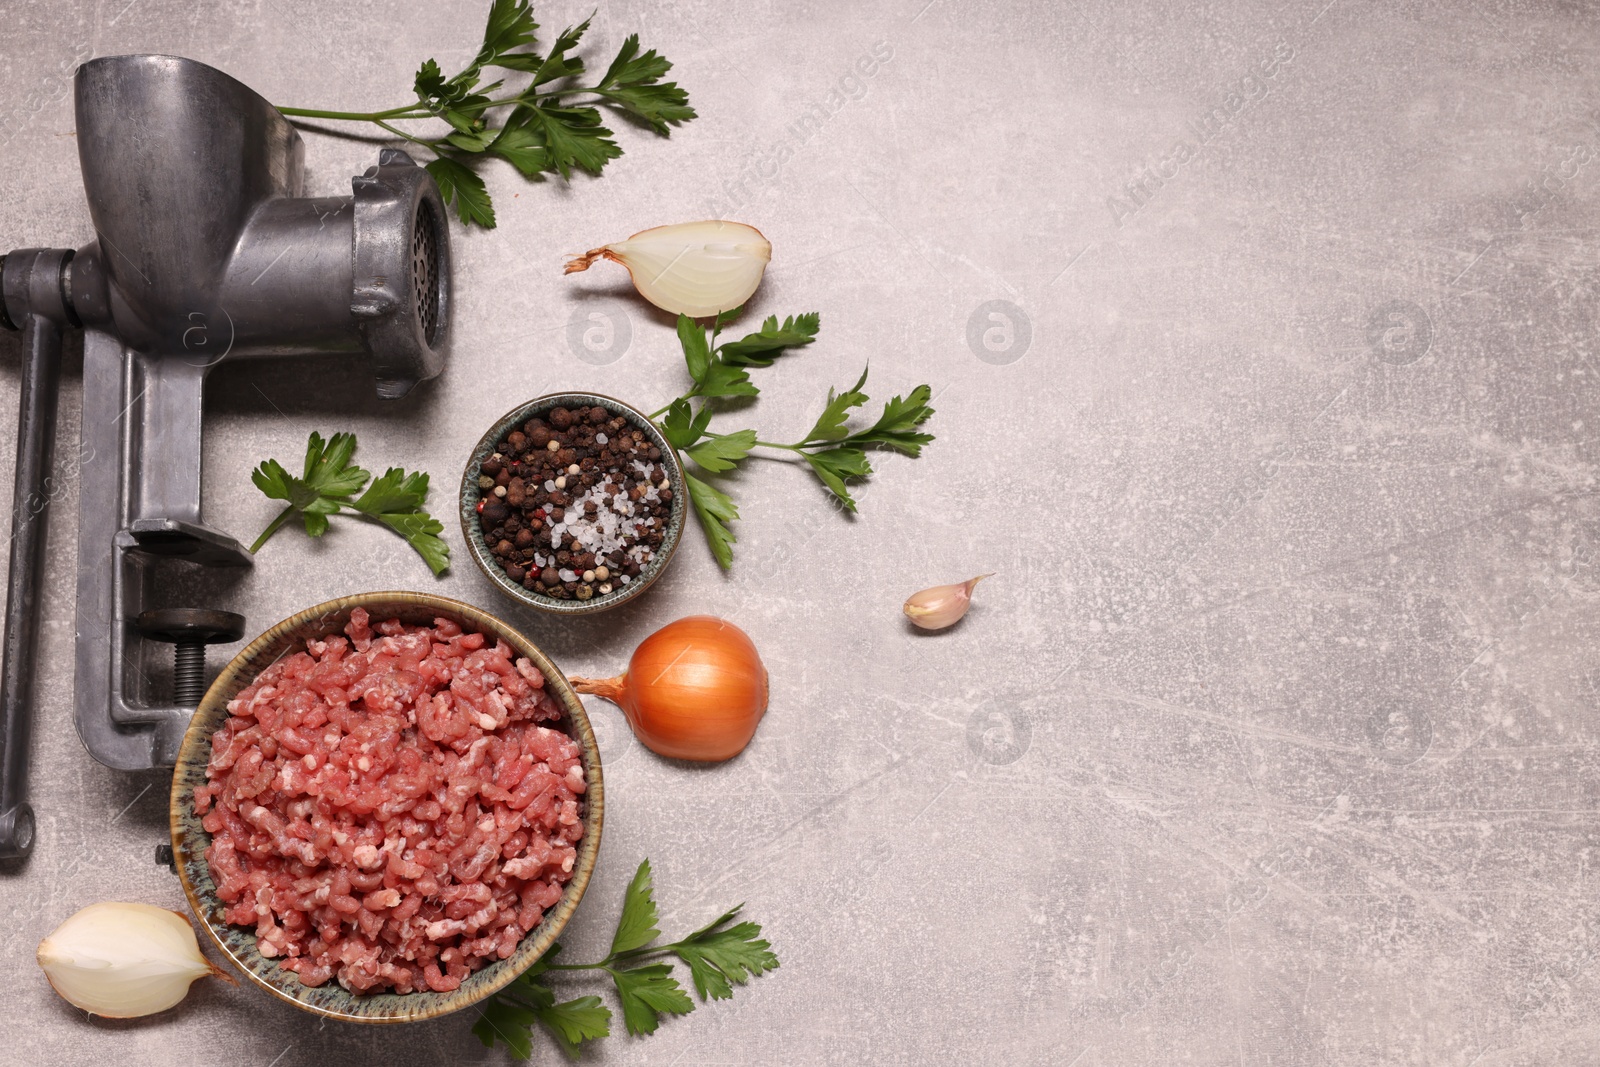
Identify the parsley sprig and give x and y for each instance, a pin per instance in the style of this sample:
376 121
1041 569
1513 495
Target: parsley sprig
836 454
545 131
328 486
719 955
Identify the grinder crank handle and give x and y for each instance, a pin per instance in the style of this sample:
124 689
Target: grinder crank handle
32 297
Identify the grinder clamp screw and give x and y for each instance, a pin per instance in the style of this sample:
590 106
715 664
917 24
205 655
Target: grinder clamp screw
190 630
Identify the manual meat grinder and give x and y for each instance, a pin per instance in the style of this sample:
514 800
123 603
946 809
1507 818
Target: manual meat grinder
204 250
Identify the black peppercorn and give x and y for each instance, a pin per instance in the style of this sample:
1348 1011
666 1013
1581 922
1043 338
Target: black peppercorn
597 476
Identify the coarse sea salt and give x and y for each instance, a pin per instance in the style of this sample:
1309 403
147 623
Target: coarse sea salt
612 525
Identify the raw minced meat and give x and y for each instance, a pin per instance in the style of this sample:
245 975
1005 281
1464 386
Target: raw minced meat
385 809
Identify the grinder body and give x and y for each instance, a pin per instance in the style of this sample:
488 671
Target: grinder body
204 251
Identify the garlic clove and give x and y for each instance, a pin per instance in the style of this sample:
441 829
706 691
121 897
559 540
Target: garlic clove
942 605
692 268
123 960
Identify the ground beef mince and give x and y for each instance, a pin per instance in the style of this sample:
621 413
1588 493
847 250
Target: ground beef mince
386 810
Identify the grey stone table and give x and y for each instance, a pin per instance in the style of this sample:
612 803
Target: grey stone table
1264 343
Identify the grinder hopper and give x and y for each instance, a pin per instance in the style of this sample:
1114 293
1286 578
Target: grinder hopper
204 250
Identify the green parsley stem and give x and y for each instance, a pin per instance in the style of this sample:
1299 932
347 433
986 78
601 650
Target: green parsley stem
763 444
406 112
524 98
629 956
506 994
614 958
273 527
430 145
419 111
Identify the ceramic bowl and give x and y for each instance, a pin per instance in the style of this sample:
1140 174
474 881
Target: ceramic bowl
189 839
472 531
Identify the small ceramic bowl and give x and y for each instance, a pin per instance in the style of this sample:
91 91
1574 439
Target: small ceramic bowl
190 840
472 530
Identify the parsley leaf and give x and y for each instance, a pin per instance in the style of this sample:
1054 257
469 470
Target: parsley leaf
636 927
718 957
759 349
273 480
835 465
558 64
396 500
896 428
509 1015
430 83
328 486
328 468
573 1022
714 509
723 380
713 377
462 189
696 350
279 484
551 67
475 141
722 452
511 25
680 429
502 1019
633 84
573 137
830 425
523 149
647 993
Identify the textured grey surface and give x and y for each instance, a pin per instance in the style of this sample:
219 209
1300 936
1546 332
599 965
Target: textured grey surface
1271 742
